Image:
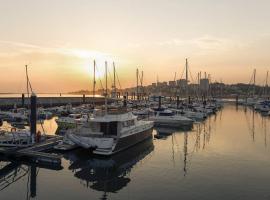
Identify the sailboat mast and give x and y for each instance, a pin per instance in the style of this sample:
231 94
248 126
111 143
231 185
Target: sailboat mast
106 85
94 83
254 83
187 76
187 70
114 86
27 81
137 77
266 84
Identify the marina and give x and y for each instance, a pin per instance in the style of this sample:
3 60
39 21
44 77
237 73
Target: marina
174 165
134 100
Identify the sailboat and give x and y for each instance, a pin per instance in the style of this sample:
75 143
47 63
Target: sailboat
110 131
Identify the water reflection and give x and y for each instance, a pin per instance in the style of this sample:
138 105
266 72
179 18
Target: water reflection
256 122
108 175
12 171
224 157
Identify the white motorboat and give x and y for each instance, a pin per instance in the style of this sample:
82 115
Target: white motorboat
110 132
167 118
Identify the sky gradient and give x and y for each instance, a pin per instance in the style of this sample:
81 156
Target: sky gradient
59 39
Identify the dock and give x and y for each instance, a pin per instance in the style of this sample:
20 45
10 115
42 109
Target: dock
37 152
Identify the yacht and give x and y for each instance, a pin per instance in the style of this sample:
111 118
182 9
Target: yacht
167 118
111 131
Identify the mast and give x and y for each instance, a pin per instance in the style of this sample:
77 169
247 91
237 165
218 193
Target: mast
106 90
187 71
137 77
27 81
114 87
94 83
187 76
142 83
254 83
266 84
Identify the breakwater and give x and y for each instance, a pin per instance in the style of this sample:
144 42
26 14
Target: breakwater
11 102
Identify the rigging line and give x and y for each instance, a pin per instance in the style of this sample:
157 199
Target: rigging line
110 77
249 84
182 73
118 80
99 79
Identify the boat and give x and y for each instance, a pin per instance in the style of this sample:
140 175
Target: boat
71 121
194 115
66 144
15 138
167 118
109 132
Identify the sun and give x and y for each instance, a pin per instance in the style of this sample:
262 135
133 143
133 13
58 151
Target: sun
88 58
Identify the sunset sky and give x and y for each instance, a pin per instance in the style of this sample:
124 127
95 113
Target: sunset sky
59 39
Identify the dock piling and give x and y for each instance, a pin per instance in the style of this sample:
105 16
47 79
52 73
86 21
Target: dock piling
33 117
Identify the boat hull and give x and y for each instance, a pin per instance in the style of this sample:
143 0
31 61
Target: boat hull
127 142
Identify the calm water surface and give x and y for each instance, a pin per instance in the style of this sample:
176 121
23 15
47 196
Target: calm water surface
226 157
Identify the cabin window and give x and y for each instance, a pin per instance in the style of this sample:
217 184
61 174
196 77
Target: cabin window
165 114
109 128
128 123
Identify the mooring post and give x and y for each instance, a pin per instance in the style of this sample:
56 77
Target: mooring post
22 99
177 102
127 95
189 100
125 101
83 98
33 117
159 102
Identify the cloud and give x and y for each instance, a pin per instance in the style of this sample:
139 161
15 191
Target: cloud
13 49
203 43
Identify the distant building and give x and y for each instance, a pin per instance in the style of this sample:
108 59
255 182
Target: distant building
172 83
182 83
162 84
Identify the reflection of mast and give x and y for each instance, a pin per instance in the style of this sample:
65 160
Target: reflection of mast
265 133
185 152
13 171
253 126
33 181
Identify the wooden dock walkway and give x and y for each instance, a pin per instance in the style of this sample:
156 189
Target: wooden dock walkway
36 152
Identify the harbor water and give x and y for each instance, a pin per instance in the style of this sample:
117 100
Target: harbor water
225 157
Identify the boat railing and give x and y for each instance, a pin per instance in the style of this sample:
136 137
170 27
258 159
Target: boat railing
101 113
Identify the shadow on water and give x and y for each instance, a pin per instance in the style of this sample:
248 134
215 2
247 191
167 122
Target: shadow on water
11 171
108 175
